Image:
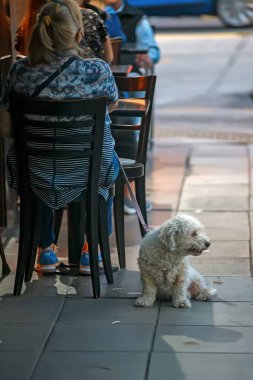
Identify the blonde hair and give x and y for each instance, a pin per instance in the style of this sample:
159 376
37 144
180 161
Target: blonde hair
55 31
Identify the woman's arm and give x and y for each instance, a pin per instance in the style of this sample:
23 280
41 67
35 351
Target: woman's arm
108 53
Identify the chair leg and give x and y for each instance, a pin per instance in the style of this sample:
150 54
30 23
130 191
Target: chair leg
76 228
5 267
93 255
140 189
118 209
35 229
92 238
24 244
104 241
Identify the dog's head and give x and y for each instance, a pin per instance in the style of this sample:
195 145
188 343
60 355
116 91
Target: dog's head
184 234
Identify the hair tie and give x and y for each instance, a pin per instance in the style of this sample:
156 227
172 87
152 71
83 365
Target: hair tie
47 20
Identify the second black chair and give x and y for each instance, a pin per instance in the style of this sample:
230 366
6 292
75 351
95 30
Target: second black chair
135 168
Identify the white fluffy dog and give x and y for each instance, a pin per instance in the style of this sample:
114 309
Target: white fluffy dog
164 263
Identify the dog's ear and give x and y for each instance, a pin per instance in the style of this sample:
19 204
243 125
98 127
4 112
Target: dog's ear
167 235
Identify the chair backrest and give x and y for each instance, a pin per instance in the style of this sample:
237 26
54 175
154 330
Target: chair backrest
142 87
116 46
61 132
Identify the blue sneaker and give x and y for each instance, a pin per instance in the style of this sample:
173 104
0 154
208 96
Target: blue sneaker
47 261
84 266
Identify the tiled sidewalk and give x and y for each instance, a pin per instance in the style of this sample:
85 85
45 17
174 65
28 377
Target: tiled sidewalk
56 330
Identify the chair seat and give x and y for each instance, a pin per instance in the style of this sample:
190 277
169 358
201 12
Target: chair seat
132 168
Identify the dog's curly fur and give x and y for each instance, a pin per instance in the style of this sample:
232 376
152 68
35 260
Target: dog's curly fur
164 263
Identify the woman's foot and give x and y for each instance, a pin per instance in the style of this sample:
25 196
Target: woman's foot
47 260
84 266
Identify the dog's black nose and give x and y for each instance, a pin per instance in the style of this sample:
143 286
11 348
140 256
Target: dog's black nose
207 244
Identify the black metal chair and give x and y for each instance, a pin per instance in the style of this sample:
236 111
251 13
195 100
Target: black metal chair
60 147
135 168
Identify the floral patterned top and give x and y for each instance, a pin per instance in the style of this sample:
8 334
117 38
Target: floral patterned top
81 79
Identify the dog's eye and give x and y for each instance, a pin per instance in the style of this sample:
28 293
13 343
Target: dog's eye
194 234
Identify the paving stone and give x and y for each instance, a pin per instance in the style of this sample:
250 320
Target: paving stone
120 289
26 337
222 150
122 311
17 365
214 197
101 337
232 288
92 366
198 366
126 285
215 161
227 249
49 285
212 339
222 267
223 178
29 310
224 225
208 313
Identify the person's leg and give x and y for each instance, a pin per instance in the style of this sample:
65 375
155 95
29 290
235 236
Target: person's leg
47 260
46 229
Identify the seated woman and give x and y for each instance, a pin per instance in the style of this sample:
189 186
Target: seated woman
56 40
96 39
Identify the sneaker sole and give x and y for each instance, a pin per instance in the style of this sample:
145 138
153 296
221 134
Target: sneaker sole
50 268
84 270
129 211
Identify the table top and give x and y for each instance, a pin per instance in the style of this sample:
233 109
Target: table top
132 107
133 48
121 70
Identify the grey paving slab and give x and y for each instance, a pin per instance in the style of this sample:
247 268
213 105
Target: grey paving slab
106 311
200 366
214 197
222 267
92 366
224 225
29 310
126 285
228 249
213 339
17 365
101 337
27 337
222 178
208 313
232 288
219 150
48 286
210 162
7 285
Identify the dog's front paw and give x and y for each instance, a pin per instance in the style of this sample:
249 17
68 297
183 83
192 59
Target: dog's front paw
144 302
181 303
206 294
